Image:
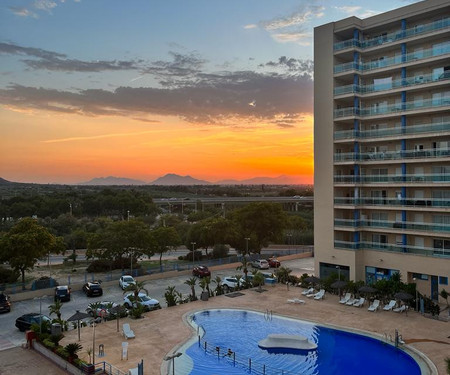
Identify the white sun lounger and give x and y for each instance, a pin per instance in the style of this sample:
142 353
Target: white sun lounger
308 291
296 300
127 331
351 301
346 298
360 302
374 306
390 305
320 294
400 309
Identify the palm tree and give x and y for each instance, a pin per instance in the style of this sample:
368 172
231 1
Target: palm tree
192 282
258 280
219 289
136 289
238 283
56 309
244 266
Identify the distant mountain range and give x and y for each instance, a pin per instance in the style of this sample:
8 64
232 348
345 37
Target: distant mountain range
172 179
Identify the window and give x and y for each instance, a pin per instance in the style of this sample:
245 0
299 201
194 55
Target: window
443 280
419 276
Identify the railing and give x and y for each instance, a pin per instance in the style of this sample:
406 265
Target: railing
107 368
233 359
403 202
410 178
393 108
392 224
419 250
386 132
390 61
394 36
398 83
392 155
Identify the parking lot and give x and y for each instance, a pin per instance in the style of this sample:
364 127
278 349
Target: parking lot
10 336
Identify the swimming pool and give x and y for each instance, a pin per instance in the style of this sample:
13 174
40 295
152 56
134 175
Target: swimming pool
339 352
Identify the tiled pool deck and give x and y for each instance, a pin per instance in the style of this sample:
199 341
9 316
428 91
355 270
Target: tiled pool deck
160 332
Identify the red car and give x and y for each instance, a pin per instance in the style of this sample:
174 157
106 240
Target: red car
274 262
201 271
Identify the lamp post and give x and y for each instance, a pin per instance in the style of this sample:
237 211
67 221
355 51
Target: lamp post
417 295
93 343
128 215
40 312
193 252
339 278
70 207
246 245
172 357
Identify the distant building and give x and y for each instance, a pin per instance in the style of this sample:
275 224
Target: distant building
382 146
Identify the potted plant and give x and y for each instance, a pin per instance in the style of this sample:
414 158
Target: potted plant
72 350
204 284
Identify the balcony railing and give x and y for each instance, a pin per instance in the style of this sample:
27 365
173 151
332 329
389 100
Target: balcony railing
386 132
391 61
393 108
399 202
398 83
399 179
428 251
392 155
394 36
383 224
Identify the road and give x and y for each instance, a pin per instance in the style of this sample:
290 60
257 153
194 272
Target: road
10 336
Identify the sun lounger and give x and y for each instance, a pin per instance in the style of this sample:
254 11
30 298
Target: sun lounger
346 298
127 331
359 302
296 300
308 291
374 306
320 294
351 301
390 305
400 309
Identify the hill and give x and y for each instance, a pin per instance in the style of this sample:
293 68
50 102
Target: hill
174 179
111 180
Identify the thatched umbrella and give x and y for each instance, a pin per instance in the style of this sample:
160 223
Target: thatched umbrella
367 289
312 280
76 318
339 284
403 296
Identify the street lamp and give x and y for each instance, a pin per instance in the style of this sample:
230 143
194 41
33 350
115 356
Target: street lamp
246 244
70 206
172 357
93 343
40 312
128 215
193 252
417 295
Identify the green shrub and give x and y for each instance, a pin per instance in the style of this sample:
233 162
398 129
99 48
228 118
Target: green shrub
220 251
61 351
73 348
49 344
137 311
8 276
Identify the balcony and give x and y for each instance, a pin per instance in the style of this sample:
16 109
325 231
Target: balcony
394 36
398 83
407 249
392 155
393 179
389 132
392 61
397 108
398 202
384 224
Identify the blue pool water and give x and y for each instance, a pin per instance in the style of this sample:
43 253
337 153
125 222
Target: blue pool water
339 352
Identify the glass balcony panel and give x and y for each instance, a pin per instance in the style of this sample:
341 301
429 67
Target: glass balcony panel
405 202
410 178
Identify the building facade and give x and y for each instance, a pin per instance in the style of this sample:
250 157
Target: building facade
382 146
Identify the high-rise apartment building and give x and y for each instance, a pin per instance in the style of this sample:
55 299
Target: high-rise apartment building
382 146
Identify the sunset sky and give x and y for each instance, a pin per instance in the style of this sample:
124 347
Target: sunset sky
215 89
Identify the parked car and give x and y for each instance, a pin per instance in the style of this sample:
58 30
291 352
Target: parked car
126 280
62 293
274 262
5 303
25 321
92 289
269 278
260 263
229 283
99 308
201 271
143 299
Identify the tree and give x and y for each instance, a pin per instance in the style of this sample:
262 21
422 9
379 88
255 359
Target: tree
444 295
258 280
192 282
261 222
122 238
136 289
56 309
164 238
24 244
244 267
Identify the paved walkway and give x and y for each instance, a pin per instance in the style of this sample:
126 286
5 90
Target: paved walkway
163 331
18 361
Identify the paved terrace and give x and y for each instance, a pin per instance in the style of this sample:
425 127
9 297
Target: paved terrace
161 332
